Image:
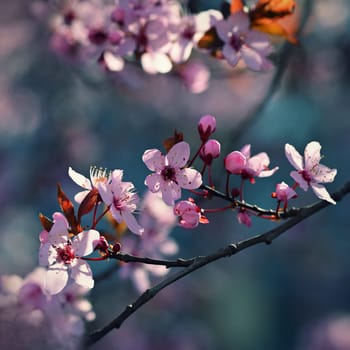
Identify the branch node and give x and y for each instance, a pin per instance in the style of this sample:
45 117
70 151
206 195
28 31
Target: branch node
233 249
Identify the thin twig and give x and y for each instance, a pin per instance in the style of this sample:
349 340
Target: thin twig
201 261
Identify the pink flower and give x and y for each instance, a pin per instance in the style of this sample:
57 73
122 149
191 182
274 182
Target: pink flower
241 163
284 192
309 170
63 256
210 151
195 76
96 175
240 42
170 173
189 214
206 126
121 199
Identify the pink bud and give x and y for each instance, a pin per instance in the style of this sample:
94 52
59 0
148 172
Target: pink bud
284 192
206 126
210 151
101 244
244 218
235 162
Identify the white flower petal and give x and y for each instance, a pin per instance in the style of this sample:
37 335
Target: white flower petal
56 279
131 222
153 159
83 243
178 155
82 274
79 179
321 192
170 192
312 155
300 180
153 182
189 178
323 174
105 193
293 156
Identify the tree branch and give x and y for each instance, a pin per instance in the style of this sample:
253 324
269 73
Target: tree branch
198 262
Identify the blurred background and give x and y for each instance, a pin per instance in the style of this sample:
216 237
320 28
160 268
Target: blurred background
292 295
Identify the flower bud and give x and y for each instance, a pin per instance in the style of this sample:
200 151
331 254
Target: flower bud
206 126
284 192
235 162
210 151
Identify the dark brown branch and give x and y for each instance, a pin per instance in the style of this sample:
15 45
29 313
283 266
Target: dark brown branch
201 261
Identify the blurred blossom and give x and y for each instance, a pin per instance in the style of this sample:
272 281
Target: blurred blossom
330 334
331 14
158 220
195 76
42 321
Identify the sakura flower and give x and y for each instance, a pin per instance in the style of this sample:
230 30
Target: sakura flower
241 163
240 42
121 199
63 256
189 214
157 219
195 76
170 173
97 175
309 171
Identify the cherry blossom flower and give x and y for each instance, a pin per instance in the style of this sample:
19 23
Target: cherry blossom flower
240 42
62 256
189 214
157 219
195 76
170 173
97 175
121 199
241 163
309 171
190 30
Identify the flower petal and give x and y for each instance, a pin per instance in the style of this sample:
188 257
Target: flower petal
105 193
293 156
56 279
321 192
82 274
131 222
312 155
79 179
252 58
153 159
79 197
189 178
153 182
83 243
170 192
178 155
300 180
231 54
324 174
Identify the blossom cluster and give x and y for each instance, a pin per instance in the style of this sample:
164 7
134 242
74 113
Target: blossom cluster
66 245
160 36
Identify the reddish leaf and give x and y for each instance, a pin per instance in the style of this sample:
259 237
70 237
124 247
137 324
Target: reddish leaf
46 223
88 203
273 8
171 141
67 208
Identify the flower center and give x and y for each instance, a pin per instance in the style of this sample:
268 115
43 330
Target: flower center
306 175
65 254
236 41
168 173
